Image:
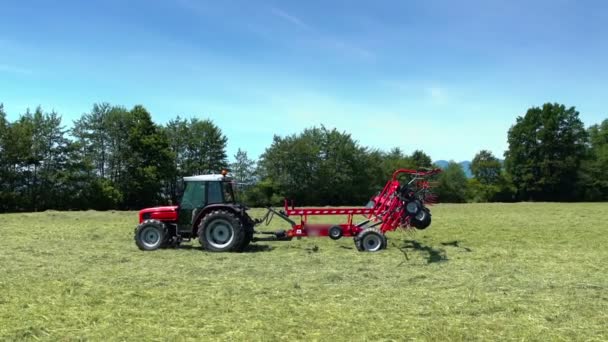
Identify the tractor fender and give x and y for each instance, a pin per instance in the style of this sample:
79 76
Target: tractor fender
235 209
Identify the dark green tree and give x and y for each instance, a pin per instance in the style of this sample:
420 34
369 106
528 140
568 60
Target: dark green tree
3 140
198 147
178 134
117 125
148 162
16 146
34 152
490 183
243 168
393 160
396 159
102 136
91 130
72 180
452 184
292 165
593 183
320 166
419 160
486 168
546 147
206 148
263 193
6 196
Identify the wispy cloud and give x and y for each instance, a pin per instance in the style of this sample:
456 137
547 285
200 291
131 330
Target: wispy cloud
11 69
289 17
326 41
433 92
352 49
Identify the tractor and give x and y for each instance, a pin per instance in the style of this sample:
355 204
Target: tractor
209 211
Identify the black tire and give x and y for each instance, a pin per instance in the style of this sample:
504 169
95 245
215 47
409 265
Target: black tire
370 240
422 220
221 231
150 235
248 237
413 208
358 245
335 232
249 230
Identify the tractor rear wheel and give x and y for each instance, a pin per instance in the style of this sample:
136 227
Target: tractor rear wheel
247 239
248 223
370 240
150 235
221 231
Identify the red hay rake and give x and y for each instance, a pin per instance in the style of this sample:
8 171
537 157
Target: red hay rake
400 204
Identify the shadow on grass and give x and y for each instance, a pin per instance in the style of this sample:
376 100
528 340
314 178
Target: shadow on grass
456 244
252 248
434 255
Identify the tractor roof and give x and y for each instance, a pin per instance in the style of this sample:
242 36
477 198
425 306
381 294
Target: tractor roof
206 178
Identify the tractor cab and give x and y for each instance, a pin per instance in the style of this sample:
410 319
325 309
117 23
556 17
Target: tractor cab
201 192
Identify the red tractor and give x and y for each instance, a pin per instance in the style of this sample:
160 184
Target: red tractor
208 210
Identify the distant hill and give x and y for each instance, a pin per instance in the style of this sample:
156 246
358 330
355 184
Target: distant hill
465 165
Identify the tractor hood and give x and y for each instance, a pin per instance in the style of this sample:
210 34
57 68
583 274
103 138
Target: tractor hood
168 213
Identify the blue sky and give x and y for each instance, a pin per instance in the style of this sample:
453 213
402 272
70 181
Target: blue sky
447 77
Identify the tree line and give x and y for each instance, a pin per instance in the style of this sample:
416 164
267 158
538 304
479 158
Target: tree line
119 158
112 158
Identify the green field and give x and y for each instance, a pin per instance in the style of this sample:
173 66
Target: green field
480 272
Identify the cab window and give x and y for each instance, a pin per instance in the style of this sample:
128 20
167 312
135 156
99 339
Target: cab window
194 195
228 194
215 193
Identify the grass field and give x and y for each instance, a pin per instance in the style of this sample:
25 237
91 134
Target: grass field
480 272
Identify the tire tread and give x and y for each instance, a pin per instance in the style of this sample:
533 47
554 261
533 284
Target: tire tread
160 225
240 235
359 238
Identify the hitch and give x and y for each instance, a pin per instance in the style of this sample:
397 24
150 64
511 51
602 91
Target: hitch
267 218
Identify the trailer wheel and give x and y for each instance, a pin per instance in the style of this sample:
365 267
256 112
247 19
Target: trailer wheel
370 240
150 235
335 232
422 220
413 208
221 231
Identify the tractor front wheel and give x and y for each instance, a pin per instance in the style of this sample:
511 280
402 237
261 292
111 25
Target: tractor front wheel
370 240
221 231
150 235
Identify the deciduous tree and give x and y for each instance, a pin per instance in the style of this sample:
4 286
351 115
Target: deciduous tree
148 162
546 147
452 184
594 170
486 168
243 168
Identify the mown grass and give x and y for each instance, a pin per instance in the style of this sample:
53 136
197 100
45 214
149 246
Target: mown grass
480 272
